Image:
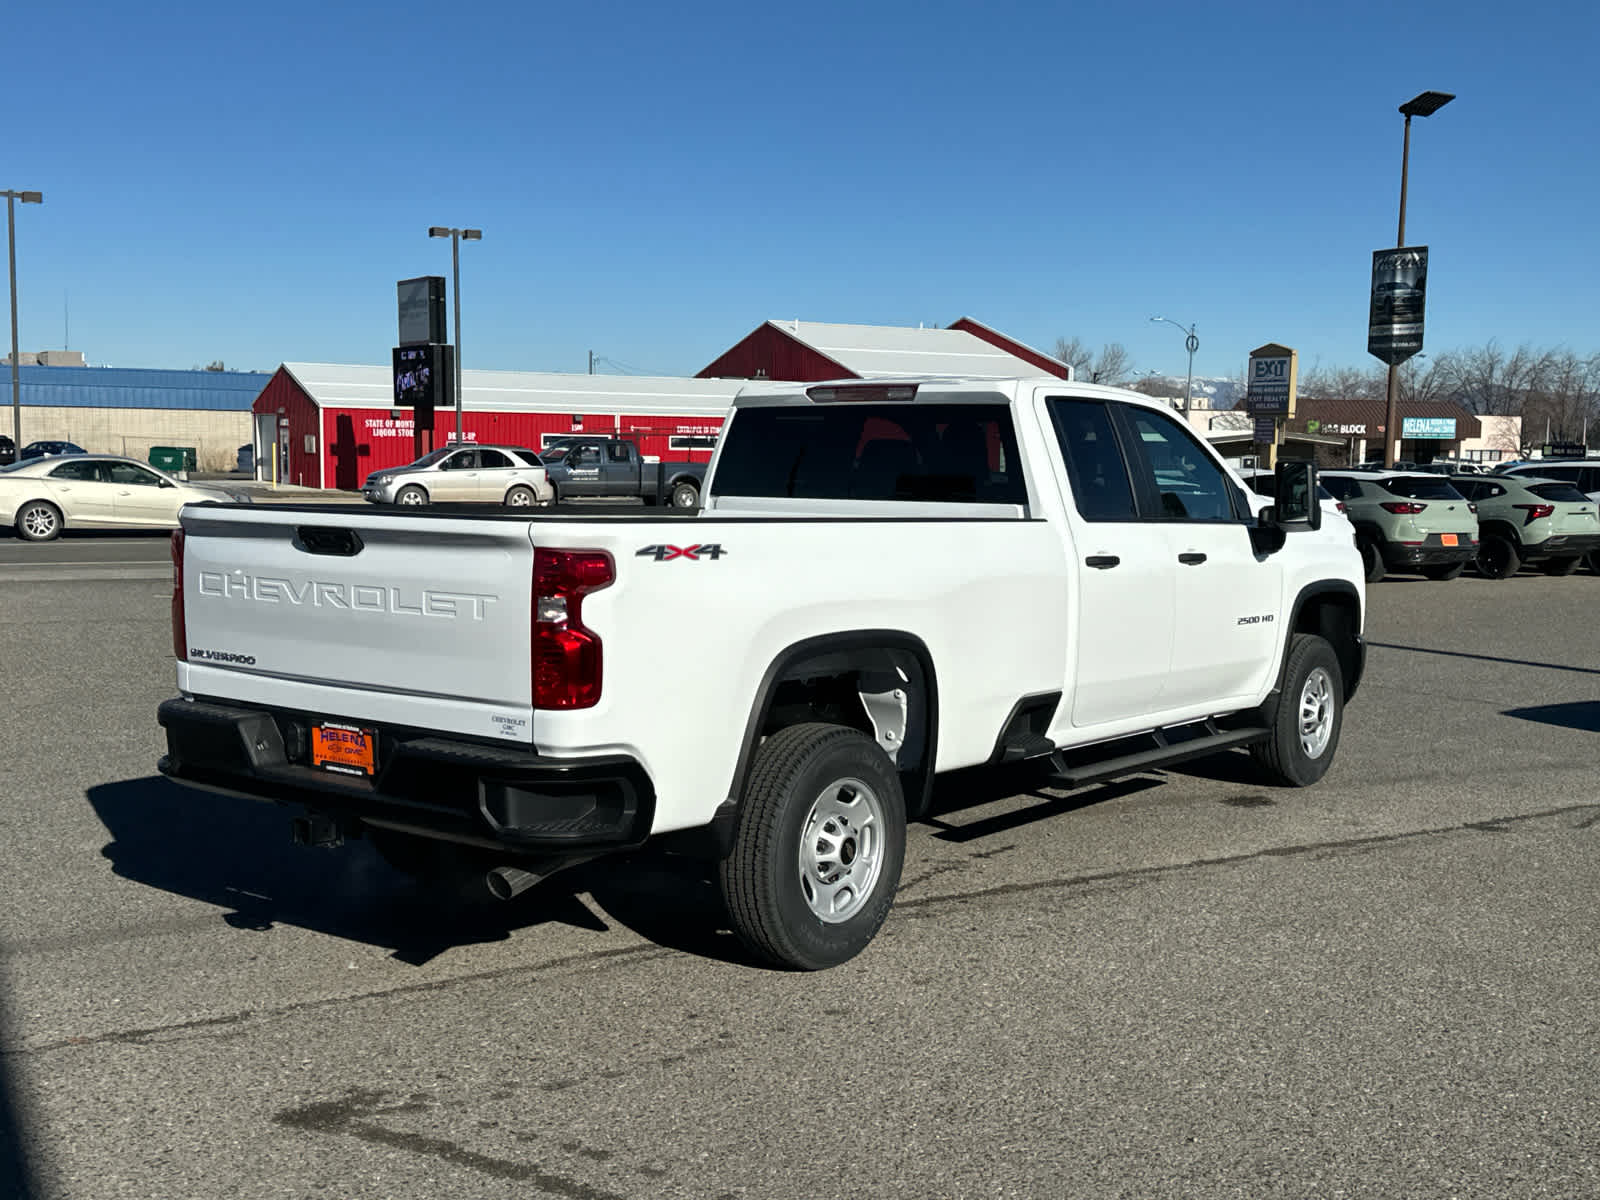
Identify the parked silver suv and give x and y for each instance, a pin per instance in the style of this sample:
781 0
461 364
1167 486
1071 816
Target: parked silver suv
509 475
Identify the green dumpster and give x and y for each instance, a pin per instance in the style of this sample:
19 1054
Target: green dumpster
174 460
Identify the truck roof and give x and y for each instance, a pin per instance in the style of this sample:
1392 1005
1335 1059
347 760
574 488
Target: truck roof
931 389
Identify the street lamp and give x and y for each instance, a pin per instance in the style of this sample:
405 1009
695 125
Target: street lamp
11 245
455 236
1424 105
1191 343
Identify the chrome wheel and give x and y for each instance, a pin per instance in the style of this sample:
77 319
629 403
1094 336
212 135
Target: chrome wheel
1316 713
519 498
411 495
841 850
39 523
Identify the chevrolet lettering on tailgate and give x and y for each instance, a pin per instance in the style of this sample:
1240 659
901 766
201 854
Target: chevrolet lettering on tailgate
352 597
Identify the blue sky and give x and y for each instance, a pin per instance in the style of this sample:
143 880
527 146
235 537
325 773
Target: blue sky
247 183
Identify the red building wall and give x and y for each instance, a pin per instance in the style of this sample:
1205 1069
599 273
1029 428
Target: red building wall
300 414
999 340
769 353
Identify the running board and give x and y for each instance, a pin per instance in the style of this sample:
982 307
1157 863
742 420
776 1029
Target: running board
1164 753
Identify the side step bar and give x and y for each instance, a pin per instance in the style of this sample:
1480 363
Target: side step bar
1164 752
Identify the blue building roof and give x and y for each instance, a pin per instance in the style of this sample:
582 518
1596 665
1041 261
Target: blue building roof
131 387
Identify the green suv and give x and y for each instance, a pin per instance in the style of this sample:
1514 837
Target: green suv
1407 522
1524 519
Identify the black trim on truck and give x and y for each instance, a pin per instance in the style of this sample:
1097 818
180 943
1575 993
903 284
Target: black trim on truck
475 793
1351 648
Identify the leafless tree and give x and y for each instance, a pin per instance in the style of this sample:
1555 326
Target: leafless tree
1112 365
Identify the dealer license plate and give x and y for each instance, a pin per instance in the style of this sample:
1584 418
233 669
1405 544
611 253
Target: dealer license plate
1447 539
347 749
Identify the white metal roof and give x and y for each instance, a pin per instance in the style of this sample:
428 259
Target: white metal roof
338 385
890 351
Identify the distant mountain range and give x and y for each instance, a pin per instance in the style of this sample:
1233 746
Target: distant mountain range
1210 391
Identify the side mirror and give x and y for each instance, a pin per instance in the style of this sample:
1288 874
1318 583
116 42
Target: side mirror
168 483
1296 491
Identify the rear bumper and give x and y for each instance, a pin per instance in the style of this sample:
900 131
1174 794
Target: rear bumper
1562 545
1399 554
439 787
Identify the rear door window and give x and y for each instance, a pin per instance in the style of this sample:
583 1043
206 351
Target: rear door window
1096 469
493 460
1340 487
939 453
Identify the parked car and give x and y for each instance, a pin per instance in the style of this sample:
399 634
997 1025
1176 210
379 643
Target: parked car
50 449
903 580
41 497
1584 473
1264 483
8 451
1524 519
1406 521
588 467
508 475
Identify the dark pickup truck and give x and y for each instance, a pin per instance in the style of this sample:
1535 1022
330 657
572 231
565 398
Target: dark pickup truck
583 467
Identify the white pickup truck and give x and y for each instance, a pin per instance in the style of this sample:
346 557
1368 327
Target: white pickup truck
886 582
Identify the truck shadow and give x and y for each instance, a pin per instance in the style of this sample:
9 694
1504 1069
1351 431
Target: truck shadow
237 855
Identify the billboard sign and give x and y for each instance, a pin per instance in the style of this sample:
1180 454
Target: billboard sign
1270 383
1399 292
1442 428
424 376
422 315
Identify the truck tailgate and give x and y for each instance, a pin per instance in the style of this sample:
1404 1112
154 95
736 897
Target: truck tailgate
398 618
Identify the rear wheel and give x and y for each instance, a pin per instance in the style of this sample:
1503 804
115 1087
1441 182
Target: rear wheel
1497 557
1371 559
685 495
1308 716
1564 565
819 847
520 497
38 521
411 495
1443 570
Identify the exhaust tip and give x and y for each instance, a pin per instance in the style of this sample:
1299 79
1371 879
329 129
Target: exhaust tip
507 883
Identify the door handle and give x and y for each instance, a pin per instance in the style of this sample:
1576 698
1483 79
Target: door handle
1191 558
1101 562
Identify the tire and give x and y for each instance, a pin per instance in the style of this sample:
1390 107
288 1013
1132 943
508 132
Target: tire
411 495
1562 566
1593 559
1371 559
685 495
1301 748
520 497
1443 571
38 521
1497 557
817 795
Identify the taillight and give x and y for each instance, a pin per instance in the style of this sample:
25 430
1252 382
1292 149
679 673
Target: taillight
1404 508
1472 508
1339 504
566 655
1536 512
180 634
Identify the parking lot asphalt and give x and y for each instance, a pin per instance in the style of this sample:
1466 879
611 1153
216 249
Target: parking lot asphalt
1190 984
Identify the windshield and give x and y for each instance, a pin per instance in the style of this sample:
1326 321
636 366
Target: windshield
554 453
1421 487
433 456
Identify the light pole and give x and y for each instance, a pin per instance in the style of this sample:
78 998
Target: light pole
1424 105
1191 343
455 236
11 246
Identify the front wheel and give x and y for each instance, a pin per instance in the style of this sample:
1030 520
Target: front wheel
820 843
411 496
685 495
1308 716
1442 571
38 521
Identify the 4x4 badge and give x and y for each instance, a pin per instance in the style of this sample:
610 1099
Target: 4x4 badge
693 553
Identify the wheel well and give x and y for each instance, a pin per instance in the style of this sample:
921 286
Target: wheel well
1335 618
1503 529
689 479
878 681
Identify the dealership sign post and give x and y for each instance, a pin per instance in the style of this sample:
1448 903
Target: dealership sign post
424 363
1270 394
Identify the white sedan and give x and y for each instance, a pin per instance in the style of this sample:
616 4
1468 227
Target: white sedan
42 496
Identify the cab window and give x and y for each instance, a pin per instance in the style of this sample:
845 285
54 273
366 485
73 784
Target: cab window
1188 483
1095 466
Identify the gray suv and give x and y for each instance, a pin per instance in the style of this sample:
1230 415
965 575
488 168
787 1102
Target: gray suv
1407 522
